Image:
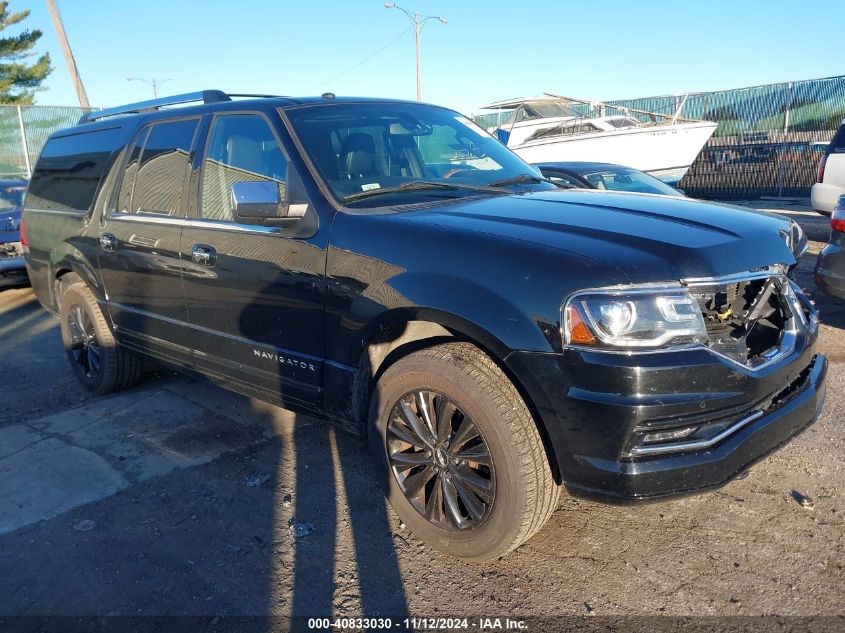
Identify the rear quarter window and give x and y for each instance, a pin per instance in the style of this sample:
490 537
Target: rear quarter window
69 170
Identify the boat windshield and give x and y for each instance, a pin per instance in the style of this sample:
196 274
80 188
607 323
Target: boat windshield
547 109
531 110
380 154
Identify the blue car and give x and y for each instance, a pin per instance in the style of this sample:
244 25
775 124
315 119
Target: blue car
12 266
589 175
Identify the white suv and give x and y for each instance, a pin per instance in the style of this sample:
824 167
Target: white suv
830 182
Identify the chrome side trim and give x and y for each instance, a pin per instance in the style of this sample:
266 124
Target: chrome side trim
74 213
696 444
215 225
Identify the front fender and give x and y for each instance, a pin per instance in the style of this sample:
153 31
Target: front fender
506 289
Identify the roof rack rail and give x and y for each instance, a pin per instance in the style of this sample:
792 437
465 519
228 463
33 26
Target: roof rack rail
206 96
256 96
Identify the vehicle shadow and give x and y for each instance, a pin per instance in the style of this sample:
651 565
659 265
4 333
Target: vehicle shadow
214 508
342 560
354 560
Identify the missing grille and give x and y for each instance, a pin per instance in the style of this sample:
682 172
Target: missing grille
746 319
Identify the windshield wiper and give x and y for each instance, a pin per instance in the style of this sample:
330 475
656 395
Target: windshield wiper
519 180
420 185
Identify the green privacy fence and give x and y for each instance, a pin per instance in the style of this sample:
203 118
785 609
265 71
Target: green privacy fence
23 132
768 142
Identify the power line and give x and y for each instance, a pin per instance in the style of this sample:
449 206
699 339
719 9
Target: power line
361 63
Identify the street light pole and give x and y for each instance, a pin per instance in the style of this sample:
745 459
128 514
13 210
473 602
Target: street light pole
419 21
152 83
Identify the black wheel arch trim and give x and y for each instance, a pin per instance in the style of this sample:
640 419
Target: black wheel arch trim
423 328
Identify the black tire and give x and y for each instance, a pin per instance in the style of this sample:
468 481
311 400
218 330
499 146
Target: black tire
516 492
99 364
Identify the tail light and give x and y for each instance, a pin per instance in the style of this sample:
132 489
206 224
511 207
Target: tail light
837 218
820 172
22 229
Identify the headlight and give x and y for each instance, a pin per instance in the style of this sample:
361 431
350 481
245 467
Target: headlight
635 320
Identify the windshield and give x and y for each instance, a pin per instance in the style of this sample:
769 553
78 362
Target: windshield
11 195
624 179
366 152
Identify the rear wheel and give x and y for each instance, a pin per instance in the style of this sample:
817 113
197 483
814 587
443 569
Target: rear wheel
459 454
99 364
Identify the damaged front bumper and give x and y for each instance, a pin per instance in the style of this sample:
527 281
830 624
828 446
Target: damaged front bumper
633 426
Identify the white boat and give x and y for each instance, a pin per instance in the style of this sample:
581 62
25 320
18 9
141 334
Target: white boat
549 129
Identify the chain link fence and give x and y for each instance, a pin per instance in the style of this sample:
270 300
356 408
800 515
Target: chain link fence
23 132
768 143
769 140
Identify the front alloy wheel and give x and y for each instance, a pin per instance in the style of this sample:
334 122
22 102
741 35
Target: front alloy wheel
458 453
440 460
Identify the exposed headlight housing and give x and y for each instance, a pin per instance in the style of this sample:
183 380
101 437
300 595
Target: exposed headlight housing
633 319
795 239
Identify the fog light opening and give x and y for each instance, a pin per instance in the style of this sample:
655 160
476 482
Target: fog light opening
668 436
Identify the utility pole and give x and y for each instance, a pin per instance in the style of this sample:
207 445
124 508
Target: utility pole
419 21
71 62
417 29
152 83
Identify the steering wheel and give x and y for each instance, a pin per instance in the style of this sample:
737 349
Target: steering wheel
452 172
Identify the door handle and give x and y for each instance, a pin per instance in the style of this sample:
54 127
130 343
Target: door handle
203 254
108 242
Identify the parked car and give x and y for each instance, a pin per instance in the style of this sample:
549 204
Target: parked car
830 265
391 267
12 266
830 180
604 176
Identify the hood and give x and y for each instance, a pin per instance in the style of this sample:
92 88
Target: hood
648 238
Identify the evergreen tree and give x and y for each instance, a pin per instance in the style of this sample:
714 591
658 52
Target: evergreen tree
18 79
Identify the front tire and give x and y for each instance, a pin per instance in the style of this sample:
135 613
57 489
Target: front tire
458 453
99 364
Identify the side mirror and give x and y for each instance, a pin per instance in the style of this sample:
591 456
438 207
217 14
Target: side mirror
257 201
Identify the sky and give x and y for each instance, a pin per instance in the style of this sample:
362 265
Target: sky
488 51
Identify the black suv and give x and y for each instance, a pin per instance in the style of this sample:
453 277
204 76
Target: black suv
390 266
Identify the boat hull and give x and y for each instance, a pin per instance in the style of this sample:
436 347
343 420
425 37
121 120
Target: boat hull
664 151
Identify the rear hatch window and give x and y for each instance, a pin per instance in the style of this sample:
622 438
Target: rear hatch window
837 144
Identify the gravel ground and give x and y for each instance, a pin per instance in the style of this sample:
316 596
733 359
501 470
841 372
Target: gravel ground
190 493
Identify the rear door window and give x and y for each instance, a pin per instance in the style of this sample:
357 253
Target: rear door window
124 196
157 169
69 170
